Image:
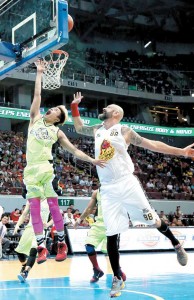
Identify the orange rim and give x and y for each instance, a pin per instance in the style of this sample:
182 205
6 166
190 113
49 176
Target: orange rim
60 52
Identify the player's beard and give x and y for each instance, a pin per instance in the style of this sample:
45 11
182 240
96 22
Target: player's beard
104 116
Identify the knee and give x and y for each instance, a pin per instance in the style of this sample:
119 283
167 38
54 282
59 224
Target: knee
52 202
33 252
34 204
21 257
90 249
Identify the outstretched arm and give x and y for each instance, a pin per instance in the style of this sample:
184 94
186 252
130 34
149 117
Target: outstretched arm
35 106
134 138
66 144
87 210
78 123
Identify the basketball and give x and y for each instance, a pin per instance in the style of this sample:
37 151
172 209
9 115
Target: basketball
70 23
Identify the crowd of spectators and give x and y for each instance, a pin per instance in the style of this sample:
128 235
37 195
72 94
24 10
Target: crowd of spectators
162 176
156 74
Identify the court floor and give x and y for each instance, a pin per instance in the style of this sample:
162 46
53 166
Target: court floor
149 276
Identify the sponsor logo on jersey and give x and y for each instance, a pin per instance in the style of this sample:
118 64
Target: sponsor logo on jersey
40 134
106 150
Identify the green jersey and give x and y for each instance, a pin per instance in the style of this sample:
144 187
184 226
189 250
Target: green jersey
41 138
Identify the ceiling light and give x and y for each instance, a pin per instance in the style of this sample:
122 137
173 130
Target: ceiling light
146 45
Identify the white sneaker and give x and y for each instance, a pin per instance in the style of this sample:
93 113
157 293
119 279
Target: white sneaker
117 286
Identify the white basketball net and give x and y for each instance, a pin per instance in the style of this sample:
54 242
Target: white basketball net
54 63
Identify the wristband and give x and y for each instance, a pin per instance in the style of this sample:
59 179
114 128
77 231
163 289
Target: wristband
74 110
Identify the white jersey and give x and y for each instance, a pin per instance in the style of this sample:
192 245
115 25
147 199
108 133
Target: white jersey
111 146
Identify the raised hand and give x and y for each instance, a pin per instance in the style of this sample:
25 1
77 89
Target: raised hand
77 98
40 66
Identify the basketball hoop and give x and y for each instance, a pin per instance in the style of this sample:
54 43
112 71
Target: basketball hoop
54 64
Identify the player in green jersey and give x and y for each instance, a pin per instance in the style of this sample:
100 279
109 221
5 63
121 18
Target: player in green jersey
43 132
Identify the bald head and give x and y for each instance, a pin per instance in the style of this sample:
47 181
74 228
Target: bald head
112 112
117 108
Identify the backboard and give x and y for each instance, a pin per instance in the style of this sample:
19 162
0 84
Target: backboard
30 30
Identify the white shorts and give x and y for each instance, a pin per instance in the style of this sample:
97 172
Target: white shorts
123 199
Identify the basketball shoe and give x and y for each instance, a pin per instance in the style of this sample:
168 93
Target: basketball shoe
23 276
182 256
42 254
117 286
97 275
61 252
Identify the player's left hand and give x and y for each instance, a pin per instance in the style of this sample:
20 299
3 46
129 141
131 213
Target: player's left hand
189 151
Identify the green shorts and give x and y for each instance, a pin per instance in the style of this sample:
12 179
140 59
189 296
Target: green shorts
38 179
97 236
27 241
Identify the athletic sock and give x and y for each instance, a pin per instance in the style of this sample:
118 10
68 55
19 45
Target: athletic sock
61 236
164 229
40 240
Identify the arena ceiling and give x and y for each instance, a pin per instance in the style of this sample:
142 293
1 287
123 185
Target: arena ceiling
165 20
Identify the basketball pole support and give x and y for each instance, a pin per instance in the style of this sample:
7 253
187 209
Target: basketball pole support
16 60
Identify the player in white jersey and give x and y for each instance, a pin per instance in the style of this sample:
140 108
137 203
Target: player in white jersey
120 189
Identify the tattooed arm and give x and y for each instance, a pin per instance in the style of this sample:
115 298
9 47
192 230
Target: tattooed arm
134 138
85 130
78 123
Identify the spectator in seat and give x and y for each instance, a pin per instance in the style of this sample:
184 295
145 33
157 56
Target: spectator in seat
163 217
70 189
68 218
72 208
14 216
85 190
5 243
76 214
